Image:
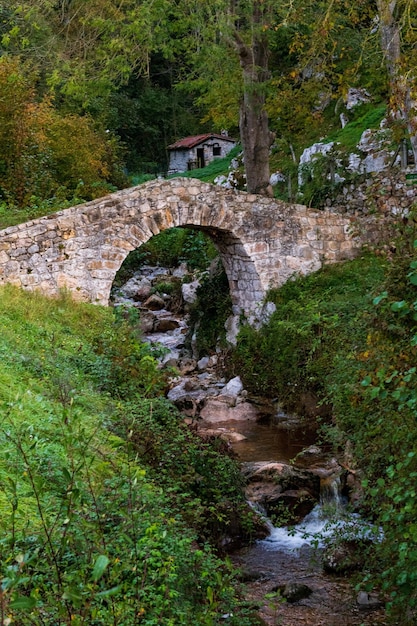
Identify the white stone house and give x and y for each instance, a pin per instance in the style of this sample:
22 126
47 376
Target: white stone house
198 151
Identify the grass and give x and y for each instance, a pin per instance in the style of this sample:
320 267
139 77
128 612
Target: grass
367 116
90 532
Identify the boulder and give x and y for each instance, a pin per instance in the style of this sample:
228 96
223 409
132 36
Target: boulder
202 364
154 303
368 601
219 409
280 488
293 591
165 324
138 288
343 556
147 321
189 291
233 388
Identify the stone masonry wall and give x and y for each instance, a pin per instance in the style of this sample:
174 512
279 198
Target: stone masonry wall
389 192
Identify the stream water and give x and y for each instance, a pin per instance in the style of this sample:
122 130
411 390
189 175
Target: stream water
289 558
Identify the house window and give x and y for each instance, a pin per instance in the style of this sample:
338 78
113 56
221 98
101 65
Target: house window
217 151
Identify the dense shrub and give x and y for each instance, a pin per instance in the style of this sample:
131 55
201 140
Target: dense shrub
211 310
44 154
348 334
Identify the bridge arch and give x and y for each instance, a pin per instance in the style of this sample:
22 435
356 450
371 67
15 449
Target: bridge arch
262 242
245 286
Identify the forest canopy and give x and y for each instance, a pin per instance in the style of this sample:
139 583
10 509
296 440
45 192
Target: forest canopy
95 91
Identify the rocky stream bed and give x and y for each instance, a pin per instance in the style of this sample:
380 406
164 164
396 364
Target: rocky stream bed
291 576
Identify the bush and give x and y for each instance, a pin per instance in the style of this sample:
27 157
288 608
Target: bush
210 311
44 153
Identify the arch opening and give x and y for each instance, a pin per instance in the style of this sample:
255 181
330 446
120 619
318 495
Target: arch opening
178 275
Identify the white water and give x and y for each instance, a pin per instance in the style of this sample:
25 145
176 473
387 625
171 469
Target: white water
326 521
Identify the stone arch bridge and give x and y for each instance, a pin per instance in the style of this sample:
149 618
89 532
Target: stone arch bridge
262 242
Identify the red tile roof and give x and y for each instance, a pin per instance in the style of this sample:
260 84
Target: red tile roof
190 142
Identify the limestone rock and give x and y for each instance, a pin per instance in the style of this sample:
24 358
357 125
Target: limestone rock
203 363
189 291
137 288
233 388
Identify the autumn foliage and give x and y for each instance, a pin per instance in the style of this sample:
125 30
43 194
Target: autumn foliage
42 152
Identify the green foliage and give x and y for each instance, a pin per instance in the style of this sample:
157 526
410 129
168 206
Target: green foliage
203 483
98 485
44 154
348 335
169 249
387 440
211 310
316 316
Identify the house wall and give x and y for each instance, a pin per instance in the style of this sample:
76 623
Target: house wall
179 159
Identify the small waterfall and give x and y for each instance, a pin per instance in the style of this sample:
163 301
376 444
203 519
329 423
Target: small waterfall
322 522
328 519
331 495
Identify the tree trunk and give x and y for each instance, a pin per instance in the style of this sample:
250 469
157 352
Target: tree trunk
403 103
256 141
253 123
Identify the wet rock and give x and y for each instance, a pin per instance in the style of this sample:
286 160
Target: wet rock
309 455
281 489
294 592
293 505
344 556
218 409
354 488
231 436
368 601
154 303
165 324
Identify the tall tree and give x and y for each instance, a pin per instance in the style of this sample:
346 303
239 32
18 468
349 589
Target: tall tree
86 49
252 47
229 49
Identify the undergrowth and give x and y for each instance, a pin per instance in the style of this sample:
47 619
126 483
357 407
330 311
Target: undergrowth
108 503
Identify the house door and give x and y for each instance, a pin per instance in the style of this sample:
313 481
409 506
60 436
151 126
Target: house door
200 157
